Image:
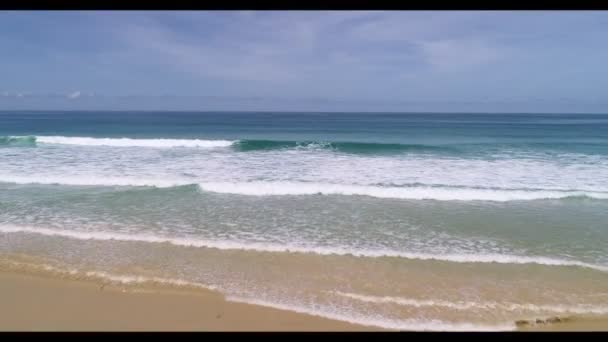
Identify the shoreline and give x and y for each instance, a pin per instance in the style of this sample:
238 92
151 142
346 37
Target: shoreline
36 301
44 303
42 295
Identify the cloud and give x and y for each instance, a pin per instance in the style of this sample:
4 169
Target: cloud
449 55
73 95
16 94
166 47
441 41
337 54
264 47
354 55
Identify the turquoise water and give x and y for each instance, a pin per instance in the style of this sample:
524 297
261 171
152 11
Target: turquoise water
446 221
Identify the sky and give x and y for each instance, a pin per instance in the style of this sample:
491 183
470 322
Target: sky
454 61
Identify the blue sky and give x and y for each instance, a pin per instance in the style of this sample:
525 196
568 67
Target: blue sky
538 61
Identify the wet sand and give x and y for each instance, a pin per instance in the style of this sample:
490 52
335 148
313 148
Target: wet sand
576 324
44 303
38 303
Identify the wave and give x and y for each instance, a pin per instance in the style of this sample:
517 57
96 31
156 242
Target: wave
238 145
92 181
325 251
261 145
19 141
259 188
561 309
128 142
376 321
347 147
247 145
278 188
105 277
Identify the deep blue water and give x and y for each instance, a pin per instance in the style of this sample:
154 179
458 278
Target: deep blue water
405 128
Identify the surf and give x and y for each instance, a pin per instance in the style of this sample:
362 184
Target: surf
292 248
288 188
130 142
337 146
517 307
17 141
276 188
240 145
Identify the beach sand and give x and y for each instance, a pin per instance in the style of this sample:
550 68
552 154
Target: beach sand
43 303
588 324
39 303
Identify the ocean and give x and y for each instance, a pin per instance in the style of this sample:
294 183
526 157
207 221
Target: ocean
423 221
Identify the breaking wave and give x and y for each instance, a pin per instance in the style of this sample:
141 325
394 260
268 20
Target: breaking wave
237 145
283 248
546 308
415 193
278 188
128 142
17 141
347 147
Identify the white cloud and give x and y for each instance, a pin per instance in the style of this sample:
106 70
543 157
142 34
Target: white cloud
447 55
16 94
74 95
245 62
248 46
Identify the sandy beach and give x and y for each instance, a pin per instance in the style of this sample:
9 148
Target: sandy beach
45 303
40 303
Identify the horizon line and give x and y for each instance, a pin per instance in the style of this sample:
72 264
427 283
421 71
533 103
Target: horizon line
293 111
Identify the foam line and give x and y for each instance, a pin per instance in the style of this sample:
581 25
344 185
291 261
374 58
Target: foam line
376 321
128 142
259 188
282 248
562 309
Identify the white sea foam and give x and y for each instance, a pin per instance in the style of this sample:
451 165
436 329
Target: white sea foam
415 193
112 277
90 181
561 309
128 142
282 248
277 188
137 279
378 321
